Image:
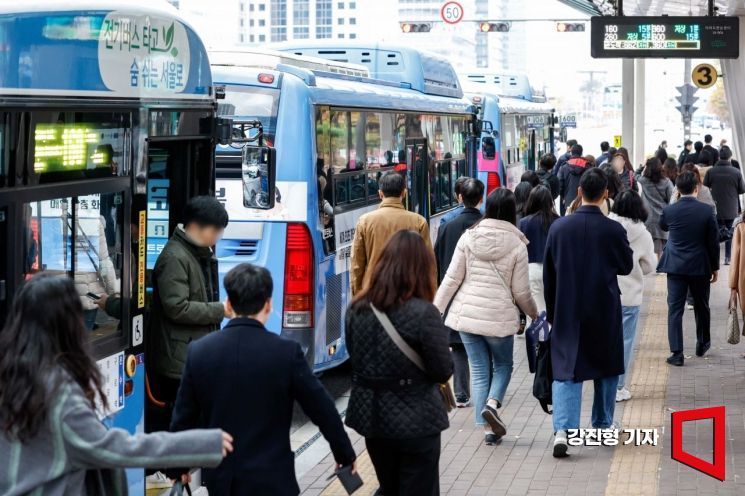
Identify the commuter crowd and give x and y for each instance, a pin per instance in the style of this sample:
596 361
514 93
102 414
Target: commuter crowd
421 313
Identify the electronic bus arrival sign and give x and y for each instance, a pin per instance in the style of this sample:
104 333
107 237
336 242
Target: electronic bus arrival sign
665 37
452 12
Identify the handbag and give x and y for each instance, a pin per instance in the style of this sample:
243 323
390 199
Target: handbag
448 398
544 376
537 331
733 322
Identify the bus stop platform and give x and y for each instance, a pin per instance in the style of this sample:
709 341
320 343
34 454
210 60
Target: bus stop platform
523 464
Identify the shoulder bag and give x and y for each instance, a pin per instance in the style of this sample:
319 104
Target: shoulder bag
448 398
733 324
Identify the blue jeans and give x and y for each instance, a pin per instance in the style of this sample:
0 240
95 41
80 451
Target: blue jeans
491 369
567 403
630 320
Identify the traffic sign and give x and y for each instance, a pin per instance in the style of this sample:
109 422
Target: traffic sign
452 12
704 76
617 141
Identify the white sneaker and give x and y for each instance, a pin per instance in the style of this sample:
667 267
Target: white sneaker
622 394
158 480
689 306
560 444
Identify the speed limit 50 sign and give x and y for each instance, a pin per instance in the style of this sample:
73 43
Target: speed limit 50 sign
452 12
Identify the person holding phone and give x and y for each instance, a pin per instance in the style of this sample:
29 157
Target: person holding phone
246 379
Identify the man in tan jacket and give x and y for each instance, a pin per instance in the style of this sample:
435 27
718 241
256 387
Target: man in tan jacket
374 229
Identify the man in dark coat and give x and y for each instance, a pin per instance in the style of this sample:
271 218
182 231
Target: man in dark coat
685 153
546 175
186 300
245 380
726 185
585 254
471 195
569 176
691 261
708 147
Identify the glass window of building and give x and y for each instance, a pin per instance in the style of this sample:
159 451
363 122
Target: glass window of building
340 21
340 5
352 21
352 36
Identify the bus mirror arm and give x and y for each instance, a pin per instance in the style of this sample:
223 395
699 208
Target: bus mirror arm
230 131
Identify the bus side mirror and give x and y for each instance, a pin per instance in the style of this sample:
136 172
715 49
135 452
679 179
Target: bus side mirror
488 148
259 172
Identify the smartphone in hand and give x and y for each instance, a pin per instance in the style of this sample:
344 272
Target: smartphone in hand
93 296
350 481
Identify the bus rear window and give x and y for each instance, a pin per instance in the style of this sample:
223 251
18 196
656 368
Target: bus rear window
243 103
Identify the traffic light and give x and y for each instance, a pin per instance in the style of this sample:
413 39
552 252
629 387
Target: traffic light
492 27
570 27
416 27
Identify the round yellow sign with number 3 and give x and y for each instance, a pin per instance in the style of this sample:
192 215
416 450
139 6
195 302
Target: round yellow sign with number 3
704 76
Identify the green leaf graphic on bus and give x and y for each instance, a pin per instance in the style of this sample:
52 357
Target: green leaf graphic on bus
169 36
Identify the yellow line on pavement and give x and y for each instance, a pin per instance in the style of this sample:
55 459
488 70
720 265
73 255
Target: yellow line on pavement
634 469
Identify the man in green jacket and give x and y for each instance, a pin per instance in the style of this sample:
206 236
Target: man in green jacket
186 298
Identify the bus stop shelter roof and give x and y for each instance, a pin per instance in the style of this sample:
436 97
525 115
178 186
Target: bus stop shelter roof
660 7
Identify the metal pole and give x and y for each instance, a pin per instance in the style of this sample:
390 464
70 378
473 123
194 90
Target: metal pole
687 116
711 8
619 8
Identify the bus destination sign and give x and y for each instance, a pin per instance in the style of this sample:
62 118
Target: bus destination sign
665 37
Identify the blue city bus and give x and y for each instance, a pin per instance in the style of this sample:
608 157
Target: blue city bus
335 131
106 129
518 126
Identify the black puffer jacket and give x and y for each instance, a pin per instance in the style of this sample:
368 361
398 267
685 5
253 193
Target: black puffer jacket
379 406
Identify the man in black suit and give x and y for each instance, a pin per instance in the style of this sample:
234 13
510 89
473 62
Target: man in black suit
244 379
708 147
691 261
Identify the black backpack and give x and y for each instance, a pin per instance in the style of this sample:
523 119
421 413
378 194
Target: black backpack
544 376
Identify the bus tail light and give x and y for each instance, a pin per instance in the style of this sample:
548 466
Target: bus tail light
299 272
492 182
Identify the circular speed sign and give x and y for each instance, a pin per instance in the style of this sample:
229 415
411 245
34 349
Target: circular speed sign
452 12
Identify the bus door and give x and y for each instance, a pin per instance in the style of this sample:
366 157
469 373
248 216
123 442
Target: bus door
417 163
76 229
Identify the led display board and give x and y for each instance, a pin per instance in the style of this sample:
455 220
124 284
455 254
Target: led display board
665 37
68 147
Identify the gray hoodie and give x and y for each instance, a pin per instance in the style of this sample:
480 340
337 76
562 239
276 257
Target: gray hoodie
73 440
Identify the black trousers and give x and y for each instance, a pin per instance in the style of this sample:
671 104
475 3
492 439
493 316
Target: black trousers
677 289
461 372
406 467
164 389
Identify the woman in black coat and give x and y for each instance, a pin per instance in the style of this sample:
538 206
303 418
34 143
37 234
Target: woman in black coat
396 406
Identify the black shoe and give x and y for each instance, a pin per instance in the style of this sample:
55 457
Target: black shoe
702 349
462 401
726 261
676 359
492 418
491 439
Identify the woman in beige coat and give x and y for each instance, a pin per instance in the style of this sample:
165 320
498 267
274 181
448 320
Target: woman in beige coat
486 282
737 269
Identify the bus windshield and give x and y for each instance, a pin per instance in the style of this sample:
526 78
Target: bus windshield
252 103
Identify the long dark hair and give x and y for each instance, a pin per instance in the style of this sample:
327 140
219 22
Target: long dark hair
629 204
404 271
44 332
501 205
653 170
670 169
522 193
541 203
624 152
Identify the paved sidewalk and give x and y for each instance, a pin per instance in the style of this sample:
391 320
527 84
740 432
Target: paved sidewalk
522 464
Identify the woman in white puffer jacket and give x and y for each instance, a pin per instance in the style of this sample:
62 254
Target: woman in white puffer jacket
486 282
629 210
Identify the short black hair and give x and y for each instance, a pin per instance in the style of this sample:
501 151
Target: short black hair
698 146
708 138
705 158
629 204
457 187
392 184
604 145
205 211
725 153
687 142
472 192
686 183
249 287
594 183
571 143
548 160
530 177
577 150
